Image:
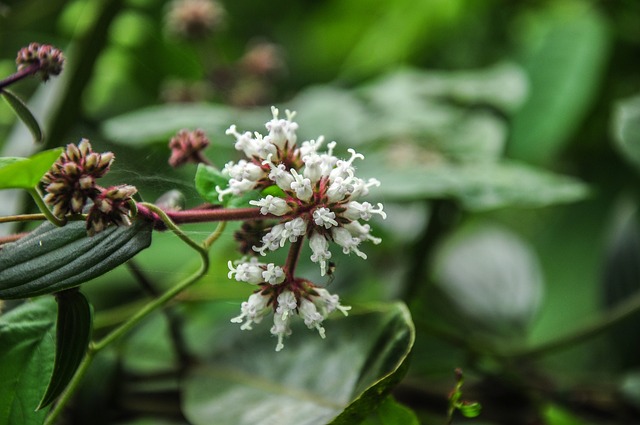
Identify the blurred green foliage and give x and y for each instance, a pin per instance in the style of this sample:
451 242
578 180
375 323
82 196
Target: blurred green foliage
505 135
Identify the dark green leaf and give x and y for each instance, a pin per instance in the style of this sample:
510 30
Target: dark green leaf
23 112
390 412
25 173
564 51
51 259
26 355
73 334
338 380
626 129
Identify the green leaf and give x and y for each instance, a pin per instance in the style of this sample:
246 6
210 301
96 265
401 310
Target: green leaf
470 410
491 281
73 334
626 129
160 123
51 259
337 380
478 187
25 173
206 180
564 50
23 112
390 412
26 355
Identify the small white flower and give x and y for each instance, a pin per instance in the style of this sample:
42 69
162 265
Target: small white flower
345 239
281 328
250 272
273 274
282 132
236 187
324 217
328 303
340 188
279 174
311 317
253 311
320 251
282 317
302 186
292 230
271 241
361 232
345 168
361 188
272 205
314 167
362 211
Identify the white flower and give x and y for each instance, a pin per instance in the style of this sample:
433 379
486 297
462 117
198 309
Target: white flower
273 274
279 174
282 317
361 188
253 311
302 186
345 239
328 303
293 229
250 272
282 132
341 188
356 210
345 168
236 187
311 317
324 217
272 205
361 232
320 248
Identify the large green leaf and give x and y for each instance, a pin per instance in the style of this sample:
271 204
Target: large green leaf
25 173
390 412
51 259
564 48
23 112
478 187
338 380
26 359
73 334
626 129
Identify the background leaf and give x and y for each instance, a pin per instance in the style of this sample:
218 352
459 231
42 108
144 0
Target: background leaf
564 48
23 112
73 334
51 259
26 355
626 129
25 173
311 381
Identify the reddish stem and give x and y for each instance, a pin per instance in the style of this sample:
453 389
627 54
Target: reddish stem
292 258
199 215
24 72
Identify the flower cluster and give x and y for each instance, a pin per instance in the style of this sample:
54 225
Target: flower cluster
194 19
283 296
48 58
320 192
71 183
319 199
187 146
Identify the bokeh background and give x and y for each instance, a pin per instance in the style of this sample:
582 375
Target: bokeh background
505 134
